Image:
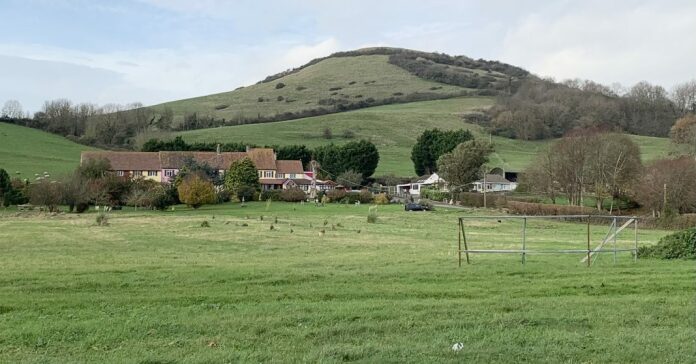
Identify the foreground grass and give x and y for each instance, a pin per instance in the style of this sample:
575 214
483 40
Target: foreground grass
29 151
157 287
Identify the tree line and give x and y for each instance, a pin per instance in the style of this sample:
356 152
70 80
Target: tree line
608 167
542 109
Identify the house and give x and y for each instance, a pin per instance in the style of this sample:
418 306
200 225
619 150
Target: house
164 166
414 188
494 183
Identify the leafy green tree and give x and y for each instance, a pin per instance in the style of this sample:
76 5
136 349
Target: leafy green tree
360 156
94 168
462 166
242 176
5 188
330 159
433 143
195 191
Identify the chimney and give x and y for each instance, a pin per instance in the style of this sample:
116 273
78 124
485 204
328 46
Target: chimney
218 149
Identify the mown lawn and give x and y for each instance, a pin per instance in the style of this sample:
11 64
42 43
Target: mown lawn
155 287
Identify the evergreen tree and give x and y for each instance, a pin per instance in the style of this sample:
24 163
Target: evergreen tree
432 144
242 176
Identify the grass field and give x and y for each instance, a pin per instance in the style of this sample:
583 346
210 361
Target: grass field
155 287
29 151
394 129
347 78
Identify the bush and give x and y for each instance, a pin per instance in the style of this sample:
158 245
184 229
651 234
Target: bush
293 195
205 224
223 196
680 245
102 219
300 88
434 194
246 193
327 134
348 134
81 207
195 191
279 85
365 196
273 195
162 197
372 215
335 195
381 199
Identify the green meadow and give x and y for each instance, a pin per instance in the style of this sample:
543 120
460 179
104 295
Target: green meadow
31 151
287 282
394 129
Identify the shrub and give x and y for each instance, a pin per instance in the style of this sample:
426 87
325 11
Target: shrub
335 88
221 107
365 196
223 196
205 224
348 134
381 199
260 99
280 98
102 219
81 207
273 195
279 85
195 191
680 245
372 215
246 193
162 197
300 88
335 195
293 195
45 193
434 194
327 134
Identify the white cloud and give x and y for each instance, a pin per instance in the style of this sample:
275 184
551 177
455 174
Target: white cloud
607 43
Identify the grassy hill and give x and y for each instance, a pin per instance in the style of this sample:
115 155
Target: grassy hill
394 129
352 79
29 151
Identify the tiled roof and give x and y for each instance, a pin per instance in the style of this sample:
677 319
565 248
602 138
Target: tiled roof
263 158
494 178
126 161
176 160
272 181
289 167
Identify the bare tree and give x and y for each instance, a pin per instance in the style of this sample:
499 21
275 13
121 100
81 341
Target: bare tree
684 96
12 109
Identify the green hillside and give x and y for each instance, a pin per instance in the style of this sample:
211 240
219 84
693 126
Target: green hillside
351 79
29 151
394 129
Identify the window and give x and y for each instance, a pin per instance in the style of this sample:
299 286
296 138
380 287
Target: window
280 175
169 173
152 173
137 173
119 173
292 175
268 174
415 187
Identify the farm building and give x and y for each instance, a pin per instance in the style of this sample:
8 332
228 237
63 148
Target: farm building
414 188
164 166
494 183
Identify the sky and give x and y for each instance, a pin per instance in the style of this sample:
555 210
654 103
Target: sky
152 51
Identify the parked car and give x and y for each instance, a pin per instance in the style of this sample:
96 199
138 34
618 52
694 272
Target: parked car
416 207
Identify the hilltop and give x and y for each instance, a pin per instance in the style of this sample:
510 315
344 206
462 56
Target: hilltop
394 129
351 80
30 151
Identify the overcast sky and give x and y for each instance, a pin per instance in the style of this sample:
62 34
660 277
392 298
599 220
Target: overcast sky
159 50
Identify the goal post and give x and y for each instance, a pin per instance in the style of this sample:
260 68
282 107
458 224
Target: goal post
546 234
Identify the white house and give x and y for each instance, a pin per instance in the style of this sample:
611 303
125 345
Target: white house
494 183
414 188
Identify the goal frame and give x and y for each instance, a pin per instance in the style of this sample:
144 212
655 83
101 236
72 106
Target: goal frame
589 252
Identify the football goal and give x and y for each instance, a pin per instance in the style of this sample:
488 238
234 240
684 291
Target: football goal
586 235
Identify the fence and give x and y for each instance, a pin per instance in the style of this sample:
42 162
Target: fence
590 253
